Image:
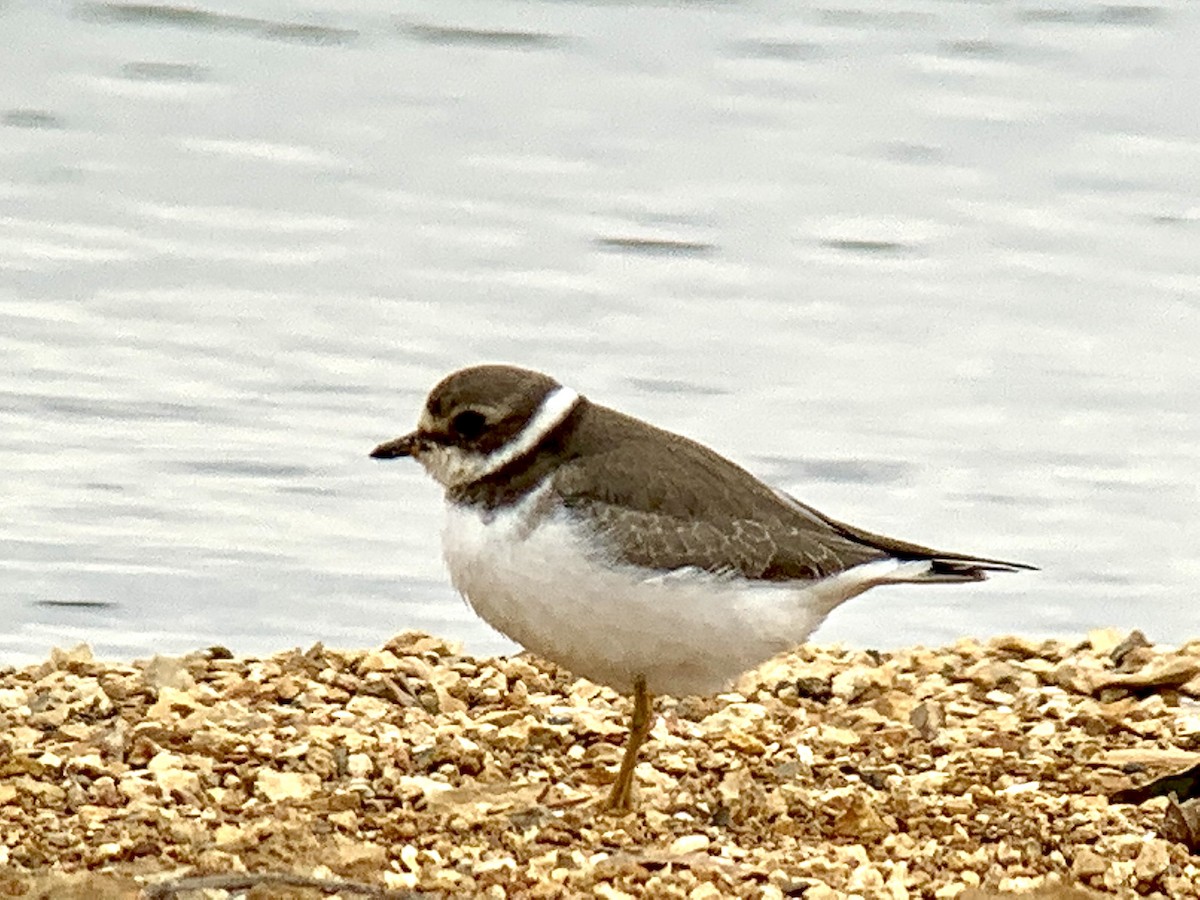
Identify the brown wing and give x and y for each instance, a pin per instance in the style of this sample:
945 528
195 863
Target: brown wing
665 502
747 547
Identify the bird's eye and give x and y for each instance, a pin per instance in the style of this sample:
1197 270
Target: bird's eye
469 424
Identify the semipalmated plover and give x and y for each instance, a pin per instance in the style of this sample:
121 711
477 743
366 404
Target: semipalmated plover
630 555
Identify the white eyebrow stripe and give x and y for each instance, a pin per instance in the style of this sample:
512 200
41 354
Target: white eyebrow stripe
556 406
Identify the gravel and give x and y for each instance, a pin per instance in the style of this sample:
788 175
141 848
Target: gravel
1012 767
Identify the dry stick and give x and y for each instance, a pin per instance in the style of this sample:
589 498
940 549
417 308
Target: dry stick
241 881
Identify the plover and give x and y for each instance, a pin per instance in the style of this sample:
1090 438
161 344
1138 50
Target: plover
630 555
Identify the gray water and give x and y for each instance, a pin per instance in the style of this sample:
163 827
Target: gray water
930 266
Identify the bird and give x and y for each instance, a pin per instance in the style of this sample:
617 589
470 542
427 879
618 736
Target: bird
630 555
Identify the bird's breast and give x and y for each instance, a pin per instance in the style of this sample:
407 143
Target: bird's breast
535 572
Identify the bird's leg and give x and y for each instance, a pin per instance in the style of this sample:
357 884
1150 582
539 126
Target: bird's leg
621 797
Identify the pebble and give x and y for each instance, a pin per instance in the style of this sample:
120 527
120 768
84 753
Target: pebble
1152 860
689 843
278 786
963 772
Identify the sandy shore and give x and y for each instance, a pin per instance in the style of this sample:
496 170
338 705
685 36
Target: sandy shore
970 771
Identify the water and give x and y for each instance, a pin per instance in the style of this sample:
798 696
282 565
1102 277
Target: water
930 266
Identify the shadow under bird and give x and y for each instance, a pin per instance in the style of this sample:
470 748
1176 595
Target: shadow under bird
630 555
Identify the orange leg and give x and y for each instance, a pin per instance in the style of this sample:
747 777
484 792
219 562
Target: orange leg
621 797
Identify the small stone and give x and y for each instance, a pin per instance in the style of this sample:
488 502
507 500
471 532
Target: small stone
171 774
857 682
167 671
865 880
705 891
428 787
410 858
990 675
606 891
896 888
1165 672
72 660
227 835
1088 863
1152 860
1181 823
1105 640
403 881
855 817
500 864
171 703
812 687
689 843
734 716
1015 645
359 853
1020 884
844 737
1045 729
1000 698
745 742
138 790
278 786
819 891
1022 787
359 765
50 760
927 719
1134 641
287 689
379 661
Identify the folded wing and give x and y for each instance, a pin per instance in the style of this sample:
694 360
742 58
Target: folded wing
676 504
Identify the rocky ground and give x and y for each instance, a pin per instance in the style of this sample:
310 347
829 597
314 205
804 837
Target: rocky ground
972 771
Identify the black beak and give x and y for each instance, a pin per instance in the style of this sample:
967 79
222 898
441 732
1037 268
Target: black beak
401 446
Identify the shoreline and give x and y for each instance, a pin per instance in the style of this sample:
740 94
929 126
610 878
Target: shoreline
975 770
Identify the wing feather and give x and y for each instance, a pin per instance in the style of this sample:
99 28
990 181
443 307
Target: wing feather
666 502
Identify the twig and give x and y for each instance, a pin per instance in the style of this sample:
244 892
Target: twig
241 881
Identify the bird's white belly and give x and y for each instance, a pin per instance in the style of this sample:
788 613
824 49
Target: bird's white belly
538 580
